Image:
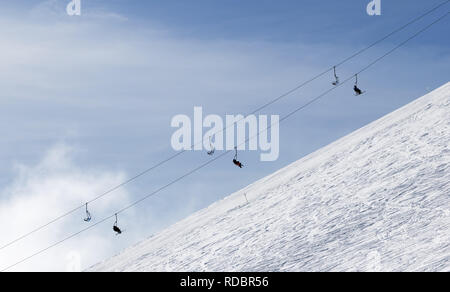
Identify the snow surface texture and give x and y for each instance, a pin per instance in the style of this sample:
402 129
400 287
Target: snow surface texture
375 200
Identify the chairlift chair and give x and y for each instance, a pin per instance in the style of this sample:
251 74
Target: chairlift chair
212 149
88 214
336 82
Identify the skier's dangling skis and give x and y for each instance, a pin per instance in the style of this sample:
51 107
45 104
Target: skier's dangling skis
235 161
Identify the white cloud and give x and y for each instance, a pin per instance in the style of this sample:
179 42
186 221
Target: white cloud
40 193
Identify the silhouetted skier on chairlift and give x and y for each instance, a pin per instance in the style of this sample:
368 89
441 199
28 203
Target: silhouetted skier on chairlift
240 165
235 161
117 229
355 88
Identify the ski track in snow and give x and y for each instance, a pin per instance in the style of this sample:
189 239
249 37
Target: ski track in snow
375 200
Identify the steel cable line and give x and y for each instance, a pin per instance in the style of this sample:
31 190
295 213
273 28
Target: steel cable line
226 127
228 151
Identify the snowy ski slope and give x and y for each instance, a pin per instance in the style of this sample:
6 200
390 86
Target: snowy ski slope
377 199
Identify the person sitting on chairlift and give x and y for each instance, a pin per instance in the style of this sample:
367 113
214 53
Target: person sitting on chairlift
117 229
355 88
235 161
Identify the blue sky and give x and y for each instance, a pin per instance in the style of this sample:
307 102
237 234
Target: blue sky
87 101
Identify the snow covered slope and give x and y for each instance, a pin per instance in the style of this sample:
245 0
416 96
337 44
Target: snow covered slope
377 199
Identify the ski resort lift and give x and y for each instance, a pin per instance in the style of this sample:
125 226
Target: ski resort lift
336 82
88 214
235 161
211 147
355 88
115 228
